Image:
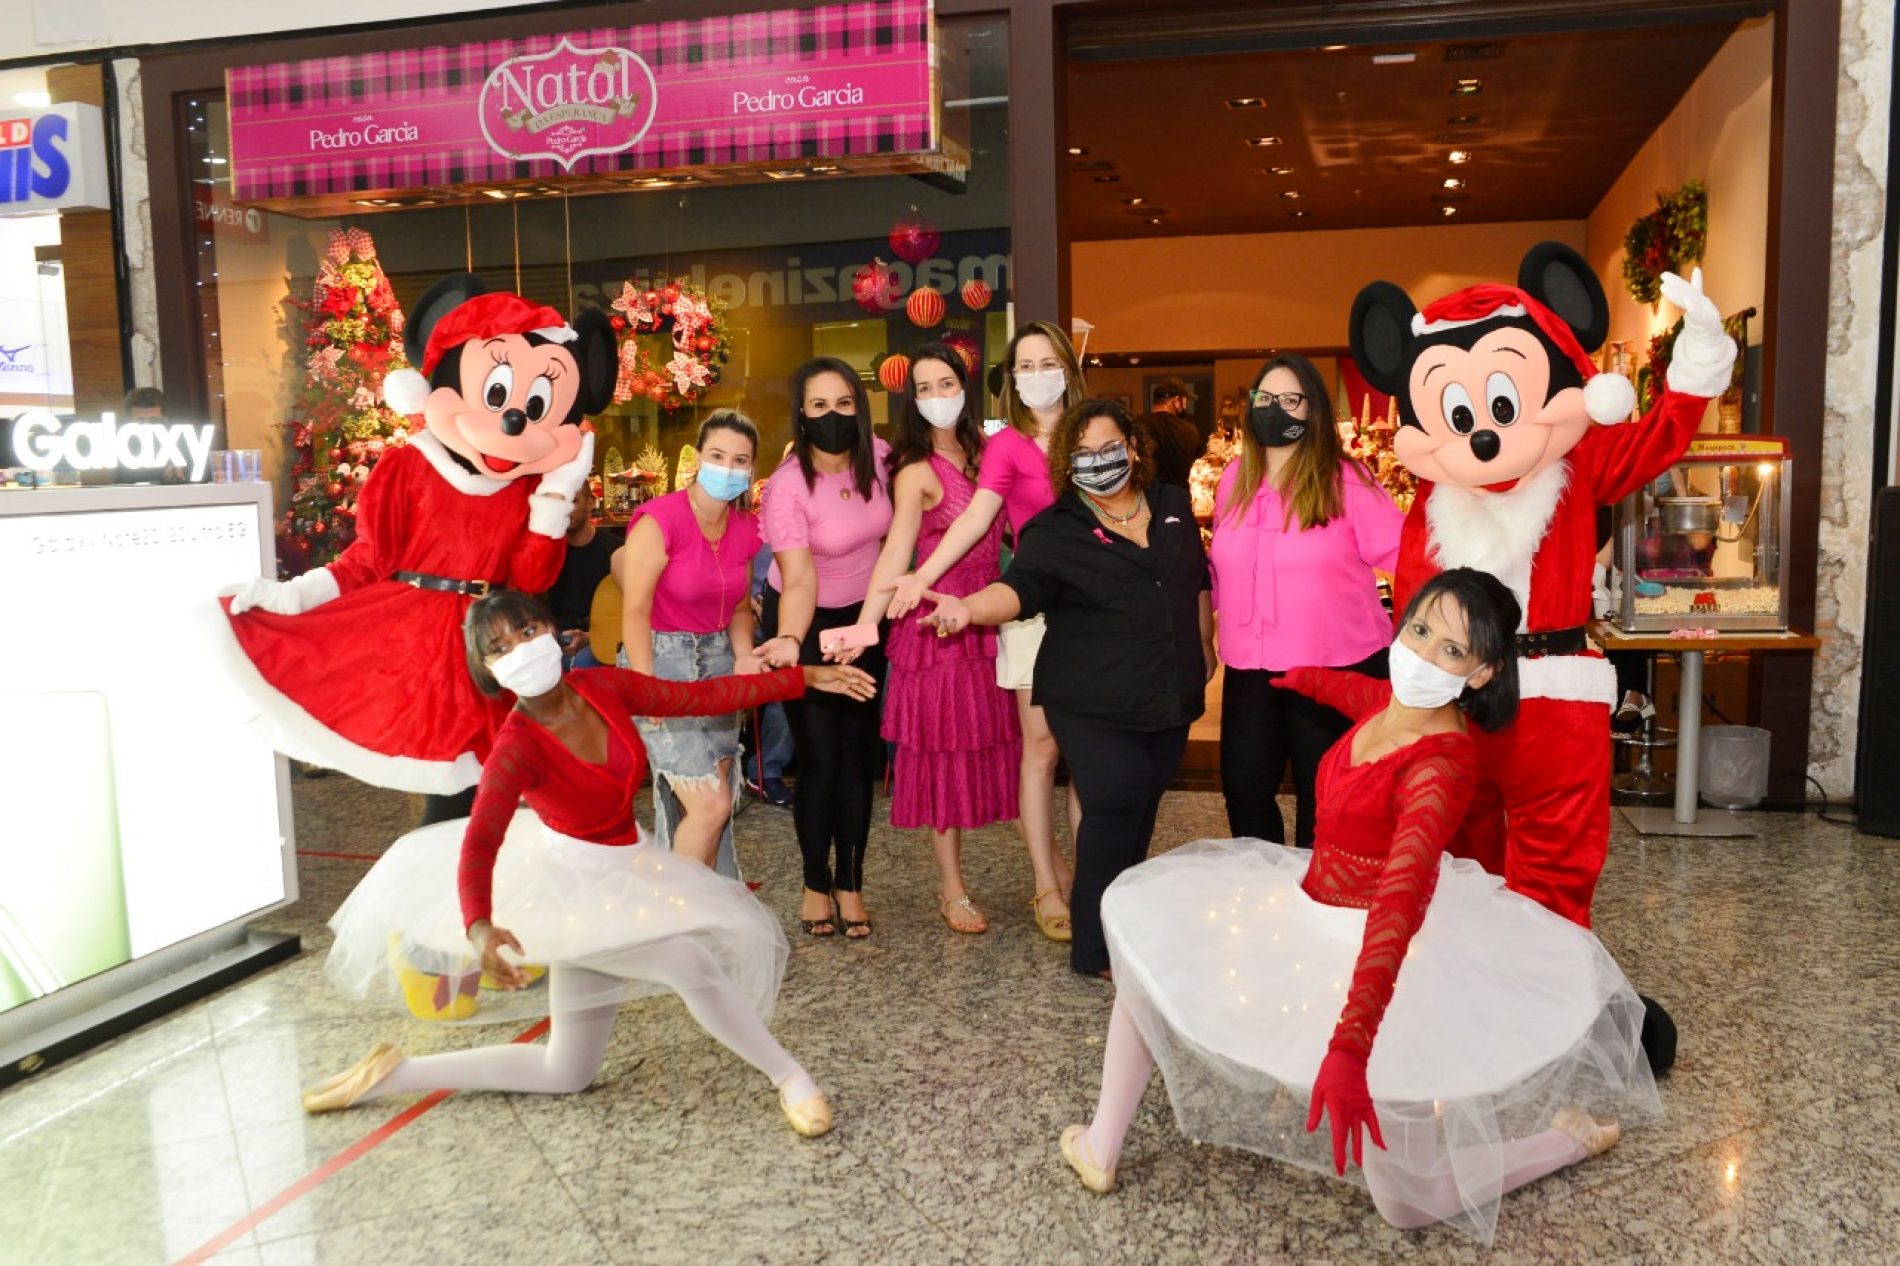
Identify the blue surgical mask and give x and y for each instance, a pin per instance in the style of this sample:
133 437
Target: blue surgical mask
722 483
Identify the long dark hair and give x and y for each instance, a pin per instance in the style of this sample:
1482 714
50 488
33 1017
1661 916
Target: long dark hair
863 457
912 440
1310 484
497 608
1491 615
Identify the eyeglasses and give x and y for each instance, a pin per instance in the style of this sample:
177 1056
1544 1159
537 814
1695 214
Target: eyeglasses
1031 367
1289 400
1113 451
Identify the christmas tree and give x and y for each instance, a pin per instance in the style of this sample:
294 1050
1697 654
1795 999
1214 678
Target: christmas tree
1371 446
339 424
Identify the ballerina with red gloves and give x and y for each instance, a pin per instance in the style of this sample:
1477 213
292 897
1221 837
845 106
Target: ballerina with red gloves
1259 977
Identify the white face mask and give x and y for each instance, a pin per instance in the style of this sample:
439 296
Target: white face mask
1043 388
1417 683
530 669
942 412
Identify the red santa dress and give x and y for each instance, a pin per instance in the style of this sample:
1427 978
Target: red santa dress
375 682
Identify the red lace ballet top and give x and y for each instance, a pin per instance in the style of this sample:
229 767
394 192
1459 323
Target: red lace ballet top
579 798
1377 834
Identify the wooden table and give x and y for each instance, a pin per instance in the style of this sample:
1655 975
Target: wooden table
1690 651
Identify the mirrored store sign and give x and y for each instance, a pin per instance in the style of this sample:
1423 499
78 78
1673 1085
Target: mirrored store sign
791 85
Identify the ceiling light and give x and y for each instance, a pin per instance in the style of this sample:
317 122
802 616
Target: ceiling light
789 173
1290 194
1459 156
1452 182
33 100
1107 180
1134 360
494 193
1279 171
214 160
1332 48
1259 141
1246 103
1467 87
1133 202
1393 59
1448 211
1156 220
1076 151
1296 215
1461 120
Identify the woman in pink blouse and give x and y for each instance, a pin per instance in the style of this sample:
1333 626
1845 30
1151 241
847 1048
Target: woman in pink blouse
1299 529
1043 381
684 576
826 513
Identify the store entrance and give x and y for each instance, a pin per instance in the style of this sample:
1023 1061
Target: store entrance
1233 184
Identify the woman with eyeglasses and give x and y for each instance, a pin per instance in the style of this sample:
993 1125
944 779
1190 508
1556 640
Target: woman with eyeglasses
1116 568
1043 381
1299 530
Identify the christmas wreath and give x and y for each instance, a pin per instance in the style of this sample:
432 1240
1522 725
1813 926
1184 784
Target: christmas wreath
674 343
1668 239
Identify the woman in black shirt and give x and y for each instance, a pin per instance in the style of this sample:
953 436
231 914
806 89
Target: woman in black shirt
1117 569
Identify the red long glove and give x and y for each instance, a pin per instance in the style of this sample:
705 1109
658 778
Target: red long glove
1340 1089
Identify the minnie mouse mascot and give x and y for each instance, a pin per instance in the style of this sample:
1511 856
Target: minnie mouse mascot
359 665
1508 426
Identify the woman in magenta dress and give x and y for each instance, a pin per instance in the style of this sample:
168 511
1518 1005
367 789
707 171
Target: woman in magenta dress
1463 1031
576 887
958 745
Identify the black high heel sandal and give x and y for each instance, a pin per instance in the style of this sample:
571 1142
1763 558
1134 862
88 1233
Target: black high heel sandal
848 926
828 921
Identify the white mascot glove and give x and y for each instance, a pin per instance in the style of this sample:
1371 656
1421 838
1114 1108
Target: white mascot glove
286 597
1704 352
553 502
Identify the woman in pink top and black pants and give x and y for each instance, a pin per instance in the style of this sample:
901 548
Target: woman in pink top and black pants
826 513
1299 529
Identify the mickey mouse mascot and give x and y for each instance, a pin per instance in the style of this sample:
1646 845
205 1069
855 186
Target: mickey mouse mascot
1509 428
360 665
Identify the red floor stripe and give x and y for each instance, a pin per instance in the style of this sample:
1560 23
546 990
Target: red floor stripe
330 1168
341 857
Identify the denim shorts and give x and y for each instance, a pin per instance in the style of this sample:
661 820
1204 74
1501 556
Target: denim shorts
688 749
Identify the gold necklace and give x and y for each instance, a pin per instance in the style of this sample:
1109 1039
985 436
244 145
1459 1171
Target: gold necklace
1121 520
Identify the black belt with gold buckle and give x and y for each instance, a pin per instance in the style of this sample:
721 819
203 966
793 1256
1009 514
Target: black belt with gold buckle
1574 641
445 584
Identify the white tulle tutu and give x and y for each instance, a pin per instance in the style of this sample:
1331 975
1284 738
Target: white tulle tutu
567 901
1503 1012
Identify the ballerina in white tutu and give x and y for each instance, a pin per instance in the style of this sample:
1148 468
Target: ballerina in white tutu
1258 976
574 888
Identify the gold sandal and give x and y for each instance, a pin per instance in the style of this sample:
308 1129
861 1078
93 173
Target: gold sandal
945 905
1056 927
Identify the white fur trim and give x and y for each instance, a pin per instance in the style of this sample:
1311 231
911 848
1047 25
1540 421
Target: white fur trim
1609 399
1495 532
1576 678
558 333
1421 326
459 477
406 391
549 514
288 728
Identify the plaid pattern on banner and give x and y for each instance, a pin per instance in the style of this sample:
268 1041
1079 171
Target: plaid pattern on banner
277 111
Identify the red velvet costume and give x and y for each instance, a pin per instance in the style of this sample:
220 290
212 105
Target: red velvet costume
374 681
1541 814
575 797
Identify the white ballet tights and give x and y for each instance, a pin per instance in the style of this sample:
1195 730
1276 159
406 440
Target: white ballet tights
578 1035
1402 1197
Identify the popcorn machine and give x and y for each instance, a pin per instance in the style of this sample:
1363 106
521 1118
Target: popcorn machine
1703 546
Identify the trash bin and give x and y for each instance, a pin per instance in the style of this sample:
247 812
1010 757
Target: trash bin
1734 766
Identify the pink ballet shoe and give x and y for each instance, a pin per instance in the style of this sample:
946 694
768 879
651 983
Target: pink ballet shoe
1595 1135
1093 1176
811 1117
344 1089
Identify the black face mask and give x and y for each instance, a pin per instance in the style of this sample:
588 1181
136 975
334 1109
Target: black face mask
832 432
1274 426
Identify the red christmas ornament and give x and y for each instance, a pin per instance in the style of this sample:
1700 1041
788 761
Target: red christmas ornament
619 324
965 348
925 307
914 239
333 490
703 343
976 295
874 286
672 293
894 373
336 455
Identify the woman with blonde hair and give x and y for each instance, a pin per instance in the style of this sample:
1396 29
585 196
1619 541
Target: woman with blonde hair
1299 529
1042 380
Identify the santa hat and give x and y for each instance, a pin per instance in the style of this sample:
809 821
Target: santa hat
484 316
1607 398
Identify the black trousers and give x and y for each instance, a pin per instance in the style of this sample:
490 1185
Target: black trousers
1120 777
447 808
1264 727
839 753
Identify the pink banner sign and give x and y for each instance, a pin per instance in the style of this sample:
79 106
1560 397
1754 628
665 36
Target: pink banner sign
792 85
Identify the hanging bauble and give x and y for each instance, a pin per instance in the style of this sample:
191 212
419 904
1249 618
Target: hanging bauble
976 295
925 307
874 286
894 373
333 490
966 349
336 455
914 239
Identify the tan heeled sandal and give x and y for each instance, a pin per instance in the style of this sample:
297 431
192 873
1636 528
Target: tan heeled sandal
1056 927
